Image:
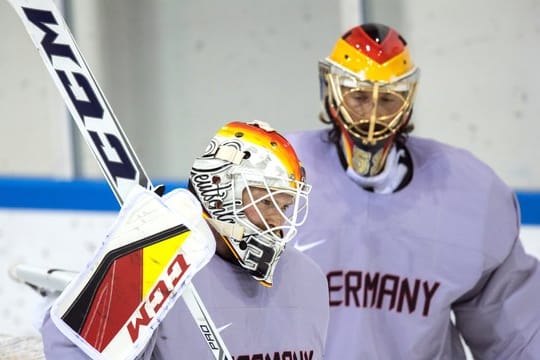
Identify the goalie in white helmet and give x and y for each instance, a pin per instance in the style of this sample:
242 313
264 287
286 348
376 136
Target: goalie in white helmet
252 188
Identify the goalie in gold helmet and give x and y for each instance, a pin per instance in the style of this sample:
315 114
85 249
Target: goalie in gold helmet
419 239
245 200
368 84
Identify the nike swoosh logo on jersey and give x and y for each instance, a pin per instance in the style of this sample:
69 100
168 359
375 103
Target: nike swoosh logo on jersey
311 245
220 329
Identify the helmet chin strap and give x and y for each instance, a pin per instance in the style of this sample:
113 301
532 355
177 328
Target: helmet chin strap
234 231
388 180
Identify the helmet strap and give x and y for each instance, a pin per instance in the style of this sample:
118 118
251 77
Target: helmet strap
229 230
230 154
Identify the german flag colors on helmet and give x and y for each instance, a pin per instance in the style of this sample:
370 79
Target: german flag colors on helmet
373 52
368 84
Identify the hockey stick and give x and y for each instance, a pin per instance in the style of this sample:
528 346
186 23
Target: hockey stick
44 281
98 125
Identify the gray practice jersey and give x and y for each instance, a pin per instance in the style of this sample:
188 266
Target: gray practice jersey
287 321
398 264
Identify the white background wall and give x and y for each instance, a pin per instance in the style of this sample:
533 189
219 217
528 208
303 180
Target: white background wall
34 132
479 80
175 71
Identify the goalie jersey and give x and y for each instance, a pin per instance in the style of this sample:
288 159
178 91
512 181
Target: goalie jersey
399 264
287 321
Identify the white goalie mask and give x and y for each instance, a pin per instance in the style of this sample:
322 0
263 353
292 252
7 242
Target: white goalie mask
251 185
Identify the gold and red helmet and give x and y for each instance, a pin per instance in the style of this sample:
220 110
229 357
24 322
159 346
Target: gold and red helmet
249 167
368 84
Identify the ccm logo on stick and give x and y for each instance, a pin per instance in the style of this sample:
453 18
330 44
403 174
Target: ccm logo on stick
87 103
157 297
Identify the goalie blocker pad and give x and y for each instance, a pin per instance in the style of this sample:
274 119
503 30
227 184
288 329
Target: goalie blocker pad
155 247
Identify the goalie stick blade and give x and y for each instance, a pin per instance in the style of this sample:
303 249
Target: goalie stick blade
43 280
94 117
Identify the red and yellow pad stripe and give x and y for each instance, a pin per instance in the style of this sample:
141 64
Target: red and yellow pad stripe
126 282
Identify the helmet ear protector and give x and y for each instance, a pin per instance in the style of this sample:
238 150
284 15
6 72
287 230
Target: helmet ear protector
251 185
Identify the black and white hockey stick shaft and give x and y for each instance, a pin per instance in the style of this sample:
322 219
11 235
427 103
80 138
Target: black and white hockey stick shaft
98 125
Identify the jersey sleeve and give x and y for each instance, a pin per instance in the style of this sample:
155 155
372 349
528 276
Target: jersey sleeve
500 317
57 346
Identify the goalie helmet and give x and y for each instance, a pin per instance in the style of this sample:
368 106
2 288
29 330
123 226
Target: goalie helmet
368 84
251 185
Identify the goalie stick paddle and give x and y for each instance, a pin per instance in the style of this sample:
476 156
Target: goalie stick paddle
44 281
99 126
